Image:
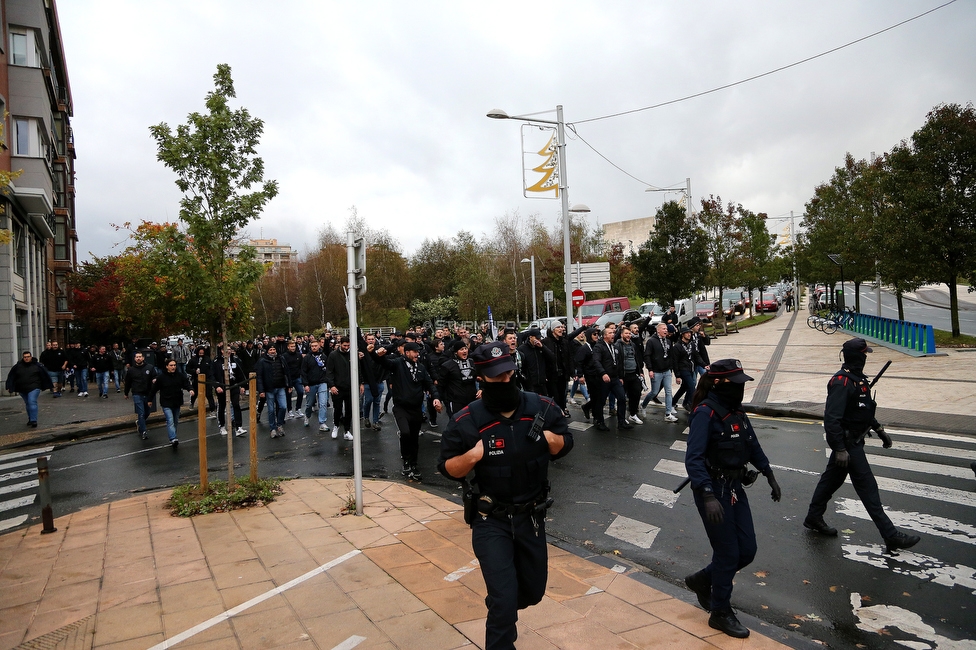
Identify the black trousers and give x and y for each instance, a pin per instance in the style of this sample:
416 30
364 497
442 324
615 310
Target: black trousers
235 406
342 409
408 421
733 541
616 388
632 388
558 386
515 569
598 395
864 484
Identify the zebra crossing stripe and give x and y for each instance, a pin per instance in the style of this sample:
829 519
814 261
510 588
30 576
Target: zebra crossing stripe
923 567
655 494
18 463
921 466
633 532
17 503
7 524
19 487
33 453
920 522
23 473
672 467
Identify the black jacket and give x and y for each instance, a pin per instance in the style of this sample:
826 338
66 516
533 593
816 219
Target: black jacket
338 371
169 387
313 368
410 382
458 381
537 364
607 359
25 377
139 380
586 364
272 373
658 355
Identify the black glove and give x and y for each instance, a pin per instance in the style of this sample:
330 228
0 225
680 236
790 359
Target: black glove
842 458
714 512
777 492
885 438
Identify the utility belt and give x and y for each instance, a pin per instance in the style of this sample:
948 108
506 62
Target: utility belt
742 474
486 506
854 437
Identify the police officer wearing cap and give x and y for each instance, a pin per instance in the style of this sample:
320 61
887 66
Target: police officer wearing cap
495 438
721 441
848 419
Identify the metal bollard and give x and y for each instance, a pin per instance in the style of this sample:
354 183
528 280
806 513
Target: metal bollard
47 515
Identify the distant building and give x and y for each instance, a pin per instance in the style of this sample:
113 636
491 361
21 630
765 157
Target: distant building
271 252
37 224
631 233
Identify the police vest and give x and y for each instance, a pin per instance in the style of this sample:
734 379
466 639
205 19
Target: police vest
730 450
859 412
514 469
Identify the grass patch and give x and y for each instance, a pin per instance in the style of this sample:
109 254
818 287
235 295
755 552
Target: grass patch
189 500
944 339
758 319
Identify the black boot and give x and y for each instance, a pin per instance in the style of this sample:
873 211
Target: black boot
586 410
901 541
702 586
415 474
728 623
818 524
406 469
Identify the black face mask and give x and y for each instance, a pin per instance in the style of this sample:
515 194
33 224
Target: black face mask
730 394
855 361
500 397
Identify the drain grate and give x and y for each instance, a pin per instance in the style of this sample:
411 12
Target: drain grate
79 635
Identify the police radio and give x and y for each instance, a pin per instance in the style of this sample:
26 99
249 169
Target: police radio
535 431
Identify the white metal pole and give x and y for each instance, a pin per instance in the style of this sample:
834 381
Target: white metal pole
564 199
535 314
357 453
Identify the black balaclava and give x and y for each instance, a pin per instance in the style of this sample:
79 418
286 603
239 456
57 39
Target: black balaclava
729 394
855 361
500 396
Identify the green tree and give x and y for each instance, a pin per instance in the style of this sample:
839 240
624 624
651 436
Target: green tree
672 264
933 182
723 243
214 155
758 268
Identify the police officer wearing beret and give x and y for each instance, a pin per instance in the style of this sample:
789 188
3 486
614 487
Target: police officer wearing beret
721 441
848 418
494 436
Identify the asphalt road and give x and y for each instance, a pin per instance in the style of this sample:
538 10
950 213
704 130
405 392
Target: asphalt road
916 312
612 497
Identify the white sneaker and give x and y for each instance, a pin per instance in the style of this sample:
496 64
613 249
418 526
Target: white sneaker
305 417
347 436
274 433
323 427
223 431
670 418
636 420
241 432
335 432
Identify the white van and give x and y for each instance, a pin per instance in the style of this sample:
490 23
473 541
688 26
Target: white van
686 310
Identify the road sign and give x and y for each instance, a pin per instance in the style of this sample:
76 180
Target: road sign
592 276
578 297
547 296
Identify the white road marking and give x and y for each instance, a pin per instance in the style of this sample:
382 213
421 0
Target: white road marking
947 495
593 590
921 466
633 532
679 445
579 426
655 494
918 521
948 437
463 571
350 643
19 463
6 524
794 469
220 618
42 451
672 467
878 617
923 567
18 487
17 503
870 444
23 473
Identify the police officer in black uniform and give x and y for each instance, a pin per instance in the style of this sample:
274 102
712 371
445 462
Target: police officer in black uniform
721 441
494 436
848 419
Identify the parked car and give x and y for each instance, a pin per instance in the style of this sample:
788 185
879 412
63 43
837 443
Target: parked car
734 303
707 310
652 310
546 324
591 310
768 302
618 317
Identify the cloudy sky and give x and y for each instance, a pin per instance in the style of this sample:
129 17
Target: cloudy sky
382 105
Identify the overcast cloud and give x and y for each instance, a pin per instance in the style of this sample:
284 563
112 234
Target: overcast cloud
382 105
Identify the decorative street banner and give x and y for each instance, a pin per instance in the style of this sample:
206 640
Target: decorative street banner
540 162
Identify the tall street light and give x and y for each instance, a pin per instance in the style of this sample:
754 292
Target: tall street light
289 310
499 114
531 261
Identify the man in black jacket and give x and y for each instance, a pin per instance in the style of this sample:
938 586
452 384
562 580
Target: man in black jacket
537 363
315 383
558 379
139 381
659 360
274 384
338 374
458 381
410 384
293 359
55 362
29 378
592 374
605 355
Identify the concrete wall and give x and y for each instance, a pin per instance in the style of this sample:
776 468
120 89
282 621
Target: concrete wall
631 233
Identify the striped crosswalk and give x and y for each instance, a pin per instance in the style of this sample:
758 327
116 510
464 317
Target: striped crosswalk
18 487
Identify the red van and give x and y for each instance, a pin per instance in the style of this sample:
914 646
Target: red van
591 310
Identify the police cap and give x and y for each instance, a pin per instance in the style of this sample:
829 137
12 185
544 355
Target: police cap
856 345
492 359
730 369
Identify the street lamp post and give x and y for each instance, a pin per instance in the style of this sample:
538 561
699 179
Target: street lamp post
289 310
499 114
531 261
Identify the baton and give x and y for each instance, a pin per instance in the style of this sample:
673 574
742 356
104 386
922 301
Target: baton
682 486
878 376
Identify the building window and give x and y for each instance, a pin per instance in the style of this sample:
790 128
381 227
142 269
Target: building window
61 291
29 140
23 48
20 249
60 237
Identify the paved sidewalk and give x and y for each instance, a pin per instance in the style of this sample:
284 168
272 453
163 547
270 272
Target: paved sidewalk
296 574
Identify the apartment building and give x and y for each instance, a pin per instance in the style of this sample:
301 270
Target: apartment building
269 251
37 225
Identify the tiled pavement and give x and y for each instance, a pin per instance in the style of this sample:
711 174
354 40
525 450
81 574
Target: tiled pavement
129 575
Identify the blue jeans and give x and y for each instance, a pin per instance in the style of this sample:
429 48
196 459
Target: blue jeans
82 379
277 406
659 379
30 401
297 389
371 400
102 379
117 379
318 393
142 410
172 421
55 379
581 387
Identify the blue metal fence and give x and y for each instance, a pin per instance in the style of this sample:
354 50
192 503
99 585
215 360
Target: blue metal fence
916 337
